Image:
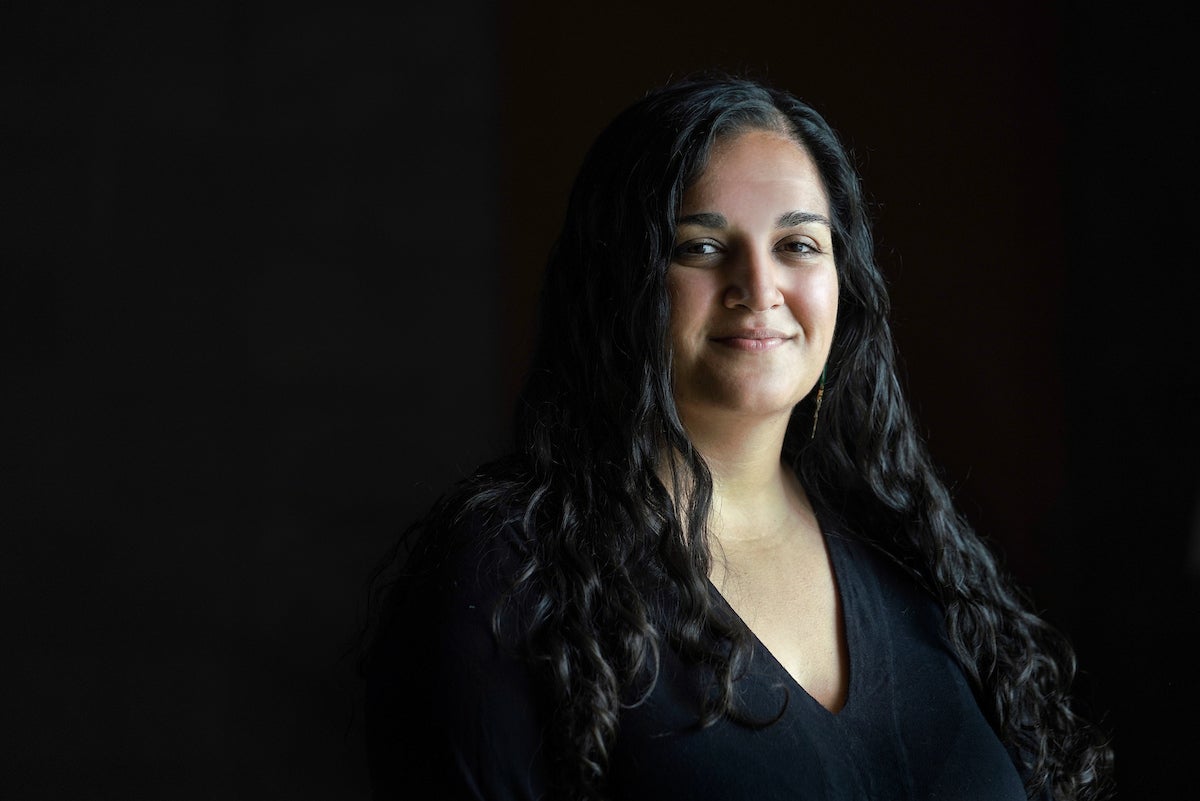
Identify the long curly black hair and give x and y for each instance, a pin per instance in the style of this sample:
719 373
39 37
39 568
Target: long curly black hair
605 538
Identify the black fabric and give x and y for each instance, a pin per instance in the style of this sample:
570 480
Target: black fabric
452 715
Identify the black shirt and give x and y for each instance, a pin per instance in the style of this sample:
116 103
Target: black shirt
451 715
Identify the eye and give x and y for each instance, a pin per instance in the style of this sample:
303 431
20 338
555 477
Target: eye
697 250
800 246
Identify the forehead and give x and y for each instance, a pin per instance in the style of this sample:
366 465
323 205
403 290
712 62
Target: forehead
758 167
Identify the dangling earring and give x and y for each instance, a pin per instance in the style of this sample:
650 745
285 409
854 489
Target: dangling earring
817 407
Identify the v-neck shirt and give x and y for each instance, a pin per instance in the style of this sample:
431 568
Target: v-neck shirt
449 710
910 727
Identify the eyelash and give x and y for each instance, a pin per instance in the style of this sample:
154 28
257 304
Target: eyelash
689 248
811 247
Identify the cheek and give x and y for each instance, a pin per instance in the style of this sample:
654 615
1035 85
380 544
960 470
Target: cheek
814 299
688 301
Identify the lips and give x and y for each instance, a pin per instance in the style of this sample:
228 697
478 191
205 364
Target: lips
753 338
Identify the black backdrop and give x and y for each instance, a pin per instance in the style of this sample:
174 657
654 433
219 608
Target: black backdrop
268 275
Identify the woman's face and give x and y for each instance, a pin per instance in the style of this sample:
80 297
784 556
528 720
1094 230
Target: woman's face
752 283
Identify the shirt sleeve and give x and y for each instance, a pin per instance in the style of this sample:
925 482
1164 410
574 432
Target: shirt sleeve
451 713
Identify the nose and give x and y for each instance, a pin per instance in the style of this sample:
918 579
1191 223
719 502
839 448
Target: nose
753 282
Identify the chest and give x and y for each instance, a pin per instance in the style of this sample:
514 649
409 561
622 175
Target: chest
909 728
787 595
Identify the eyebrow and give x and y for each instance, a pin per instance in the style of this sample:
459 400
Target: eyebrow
791 219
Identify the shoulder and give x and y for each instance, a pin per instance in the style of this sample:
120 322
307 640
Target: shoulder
459 568
449 702
874 579
462 554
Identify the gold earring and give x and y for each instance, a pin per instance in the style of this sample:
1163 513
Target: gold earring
817 407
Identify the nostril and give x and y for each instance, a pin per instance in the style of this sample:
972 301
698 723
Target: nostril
754 285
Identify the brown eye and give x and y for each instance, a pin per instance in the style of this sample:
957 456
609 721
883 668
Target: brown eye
801 247
698 248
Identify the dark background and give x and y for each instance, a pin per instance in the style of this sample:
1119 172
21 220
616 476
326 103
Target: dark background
268 274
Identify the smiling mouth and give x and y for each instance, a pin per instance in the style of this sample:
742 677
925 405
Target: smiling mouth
755 340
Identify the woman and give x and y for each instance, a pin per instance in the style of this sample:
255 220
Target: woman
718 563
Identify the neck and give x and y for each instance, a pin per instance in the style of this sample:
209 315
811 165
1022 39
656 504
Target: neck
753 492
